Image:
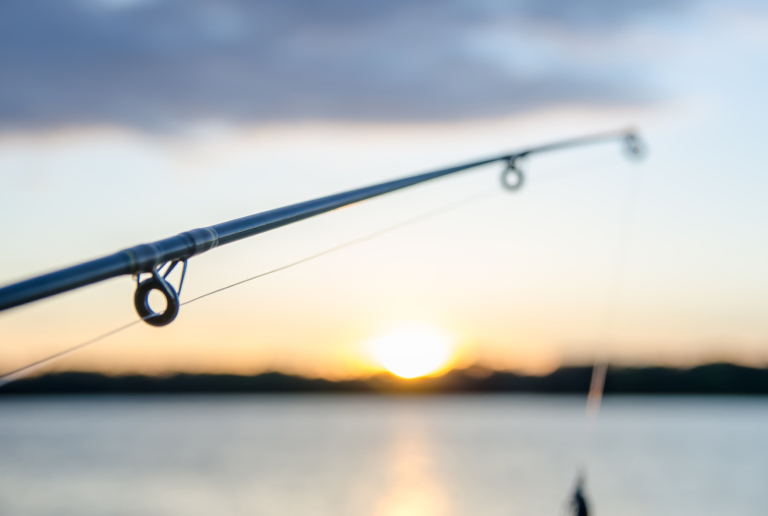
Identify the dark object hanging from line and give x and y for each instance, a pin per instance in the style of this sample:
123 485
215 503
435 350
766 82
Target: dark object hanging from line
578 505
151 258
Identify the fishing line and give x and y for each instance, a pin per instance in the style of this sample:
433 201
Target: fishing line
145 258
395 227
34 366
613 298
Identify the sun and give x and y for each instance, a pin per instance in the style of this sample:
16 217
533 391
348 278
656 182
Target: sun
412 351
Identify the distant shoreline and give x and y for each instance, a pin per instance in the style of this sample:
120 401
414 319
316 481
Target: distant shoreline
711 379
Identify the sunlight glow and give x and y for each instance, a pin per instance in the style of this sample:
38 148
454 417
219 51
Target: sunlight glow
412 351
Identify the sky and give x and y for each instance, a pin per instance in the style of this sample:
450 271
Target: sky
127 121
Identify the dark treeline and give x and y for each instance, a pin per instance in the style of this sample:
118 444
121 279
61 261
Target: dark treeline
706 379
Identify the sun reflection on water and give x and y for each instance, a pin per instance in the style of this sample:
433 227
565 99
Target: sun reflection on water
413 489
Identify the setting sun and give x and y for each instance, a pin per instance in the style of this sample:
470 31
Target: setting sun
412 351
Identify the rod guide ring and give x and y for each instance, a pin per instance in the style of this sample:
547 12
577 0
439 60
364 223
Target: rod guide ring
514 170
634 147
159 283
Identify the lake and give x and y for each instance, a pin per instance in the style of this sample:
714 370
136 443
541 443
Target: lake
344 455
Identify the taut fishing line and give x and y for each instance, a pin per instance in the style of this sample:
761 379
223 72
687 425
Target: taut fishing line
629 139
578 504
34 366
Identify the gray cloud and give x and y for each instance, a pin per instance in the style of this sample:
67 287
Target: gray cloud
161 63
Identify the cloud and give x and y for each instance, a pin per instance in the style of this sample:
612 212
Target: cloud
164 63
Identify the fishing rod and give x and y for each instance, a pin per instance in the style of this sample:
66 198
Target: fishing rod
168 253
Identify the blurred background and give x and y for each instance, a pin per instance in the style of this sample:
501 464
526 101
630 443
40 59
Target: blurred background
127 121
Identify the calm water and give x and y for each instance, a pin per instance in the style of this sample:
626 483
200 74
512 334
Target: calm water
381 456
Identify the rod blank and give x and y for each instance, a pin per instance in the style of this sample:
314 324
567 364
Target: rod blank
147 258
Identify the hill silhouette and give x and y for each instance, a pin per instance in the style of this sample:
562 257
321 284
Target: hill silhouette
706 379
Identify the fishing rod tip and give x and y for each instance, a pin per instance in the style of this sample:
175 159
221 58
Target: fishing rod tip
634 146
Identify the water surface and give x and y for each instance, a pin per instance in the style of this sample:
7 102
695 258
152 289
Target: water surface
348 455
